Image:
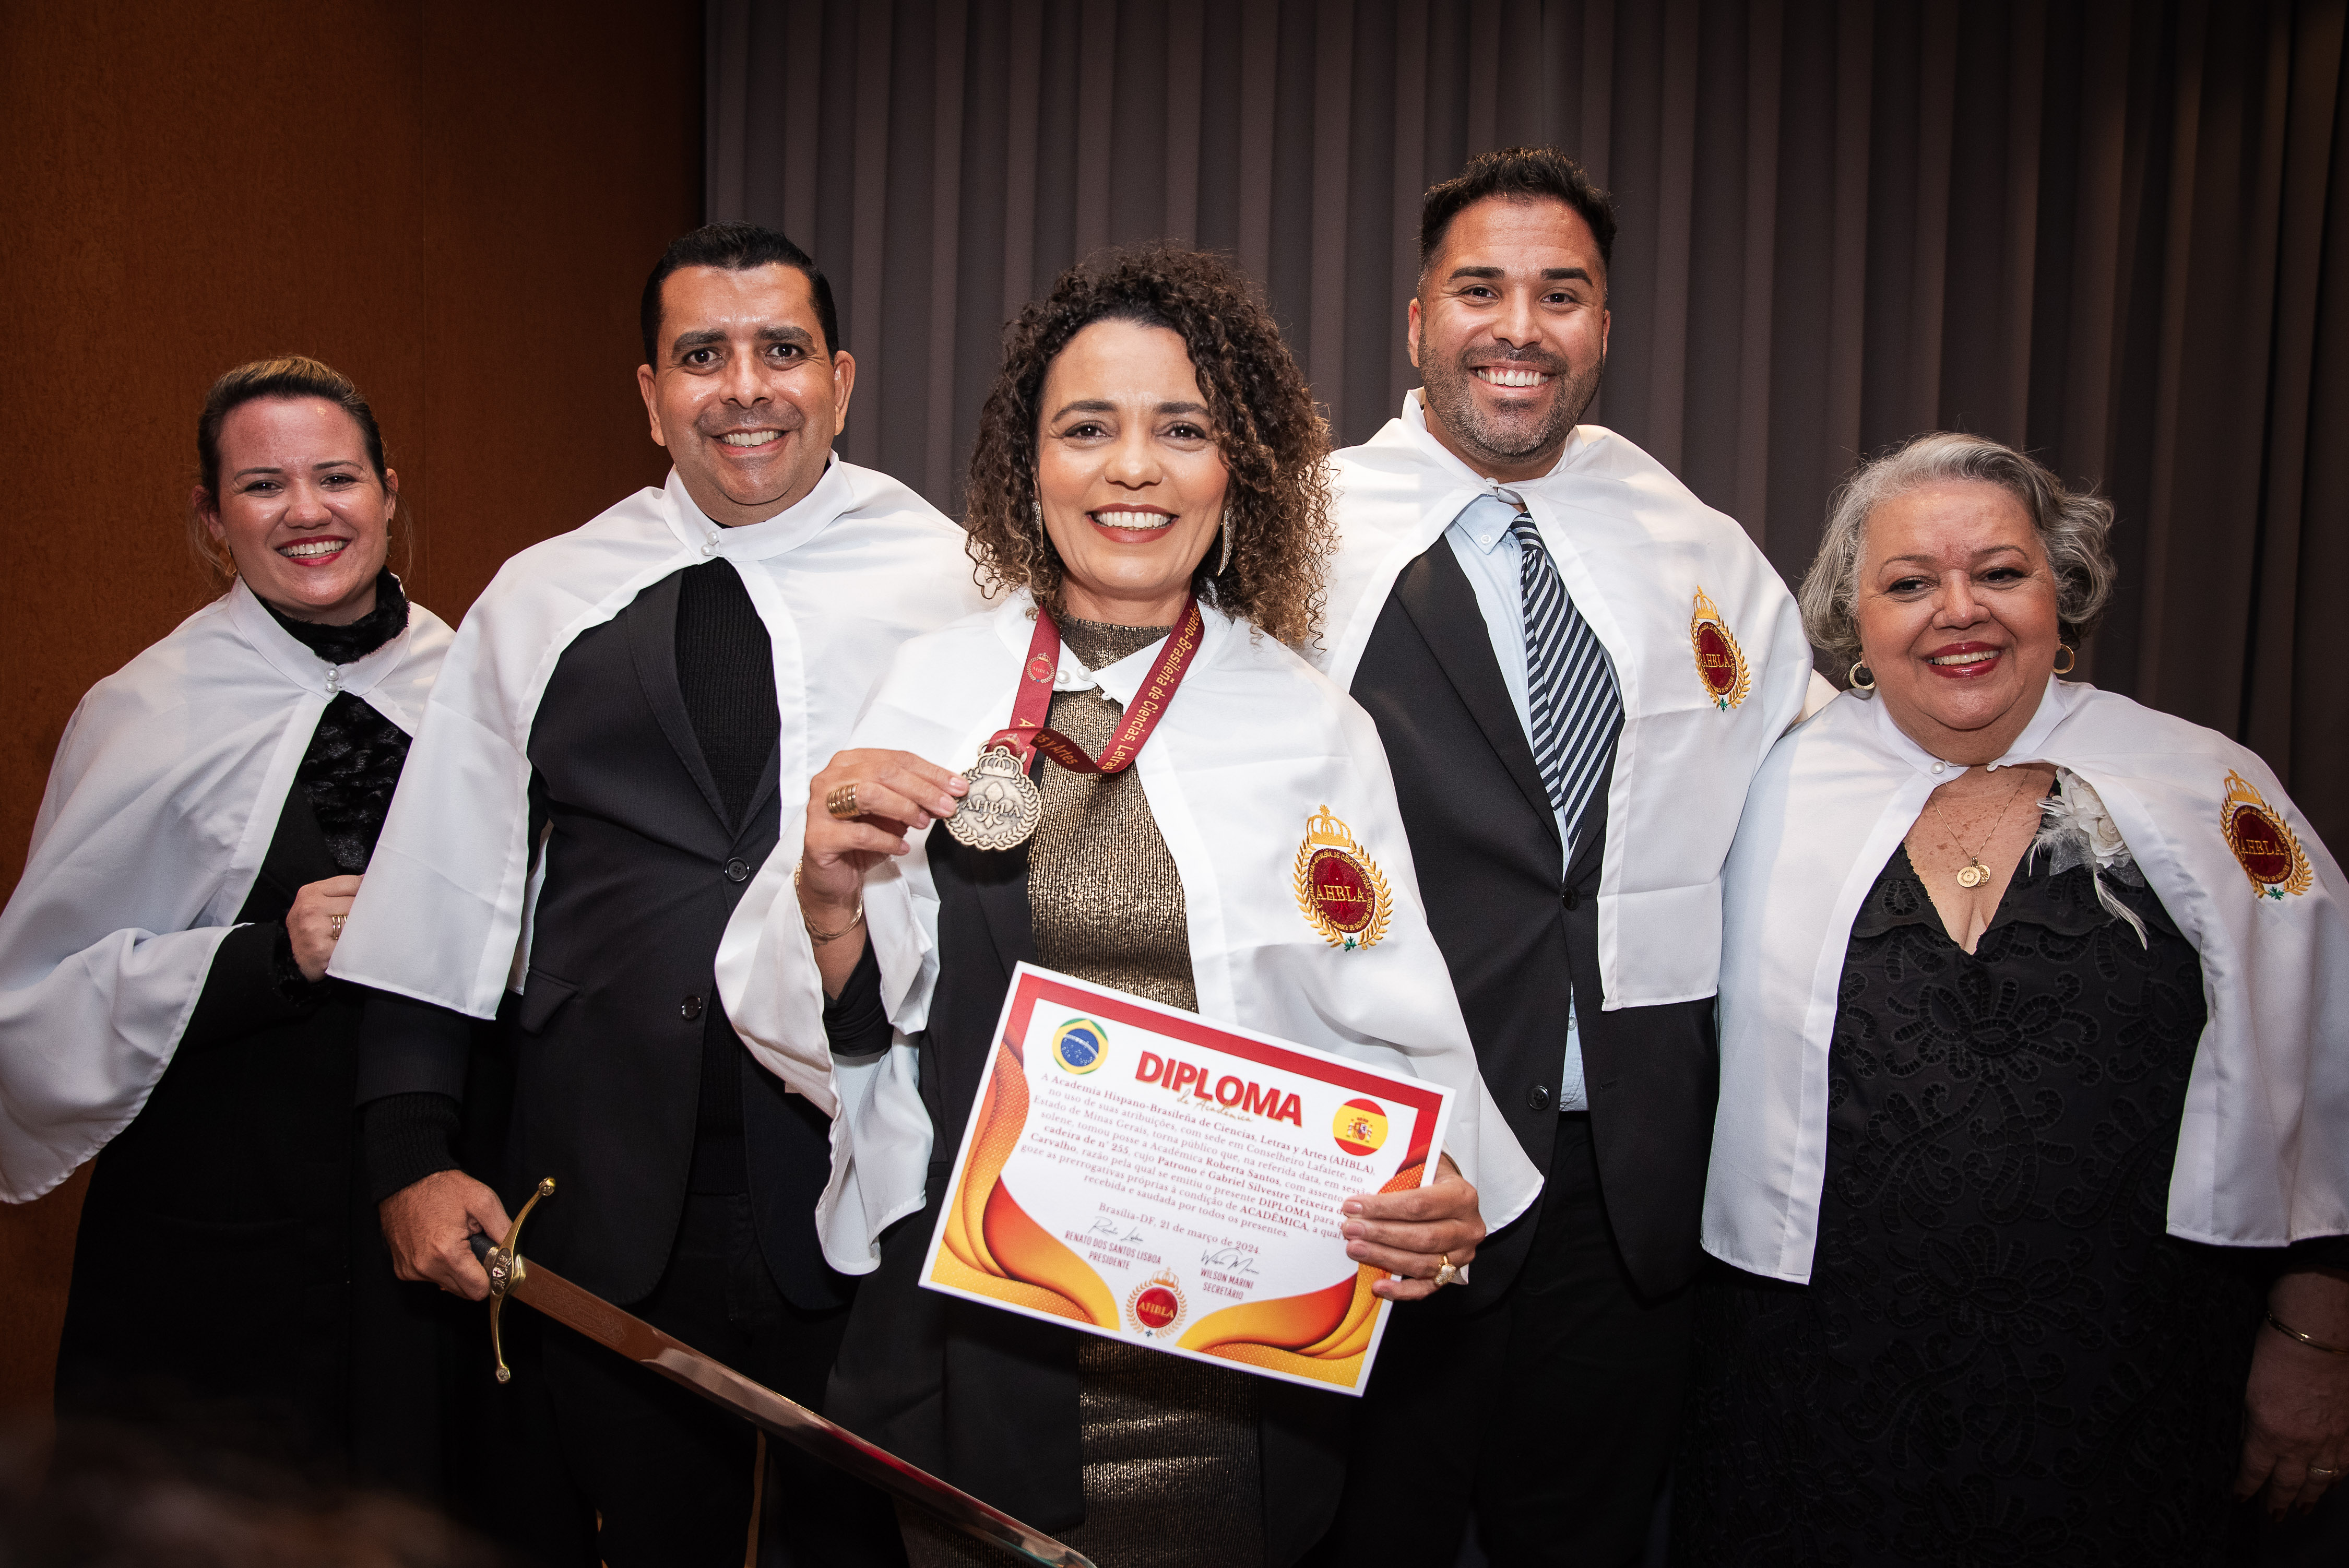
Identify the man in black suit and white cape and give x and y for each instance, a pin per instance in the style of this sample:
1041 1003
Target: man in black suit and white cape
1575 667
625 732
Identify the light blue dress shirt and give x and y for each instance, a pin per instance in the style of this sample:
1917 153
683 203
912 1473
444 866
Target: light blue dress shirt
1492 559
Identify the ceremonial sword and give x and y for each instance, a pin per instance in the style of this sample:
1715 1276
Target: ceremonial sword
540 1287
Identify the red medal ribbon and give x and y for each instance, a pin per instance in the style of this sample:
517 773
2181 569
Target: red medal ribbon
1029 734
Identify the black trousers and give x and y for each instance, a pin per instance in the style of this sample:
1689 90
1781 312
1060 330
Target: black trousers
669 1476
1548 1417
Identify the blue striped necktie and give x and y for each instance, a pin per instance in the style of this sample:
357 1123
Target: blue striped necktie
1570 686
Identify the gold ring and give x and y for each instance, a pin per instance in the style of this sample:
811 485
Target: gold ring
1444 1273
2320 1469
334 926
842 801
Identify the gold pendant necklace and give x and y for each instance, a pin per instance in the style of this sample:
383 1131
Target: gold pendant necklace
1975 873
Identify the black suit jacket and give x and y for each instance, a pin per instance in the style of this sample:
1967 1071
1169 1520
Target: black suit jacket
643 869
1520 939
982 1397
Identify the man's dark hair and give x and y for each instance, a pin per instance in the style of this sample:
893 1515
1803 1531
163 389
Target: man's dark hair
735 248
1518 174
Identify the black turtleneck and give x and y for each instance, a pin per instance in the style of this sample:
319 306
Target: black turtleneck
357 639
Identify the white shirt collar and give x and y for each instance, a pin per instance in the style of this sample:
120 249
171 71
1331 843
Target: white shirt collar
293 660
2055 707
1413 419
1121 680
1118 681
787 530
1489 533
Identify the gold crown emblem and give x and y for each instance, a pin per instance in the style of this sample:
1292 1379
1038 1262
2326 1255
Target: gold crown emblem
1324 831
1706 610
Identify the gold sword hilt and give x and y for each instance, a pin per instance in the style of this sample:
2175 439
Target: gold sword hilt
506 1269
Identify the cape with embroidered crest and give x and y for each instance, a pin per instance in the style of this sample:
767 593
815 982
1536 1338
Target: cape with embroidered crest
2264 1150
1705 642
1253 743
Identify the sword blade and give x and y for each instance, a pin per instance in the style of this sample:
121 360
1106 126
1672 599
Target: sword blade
640 1342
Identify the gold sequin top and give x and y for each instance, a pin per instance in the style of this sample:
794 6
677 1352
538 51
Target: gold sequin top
1171 1465
1106 899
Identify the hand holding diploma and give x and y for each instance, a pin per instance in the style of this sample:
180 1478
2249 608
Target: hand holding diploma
1414 1233
1137 1171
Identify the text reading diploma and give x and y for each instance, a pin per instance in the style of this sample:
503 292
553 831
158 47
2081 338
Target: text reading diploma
1136 1171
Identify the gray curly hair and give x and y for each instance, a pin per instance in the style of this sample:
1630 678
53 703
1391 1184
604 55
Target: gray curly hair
2073 528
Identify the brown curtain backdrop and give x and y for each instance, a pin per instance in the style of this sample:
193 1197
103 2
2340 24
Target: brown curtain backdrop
2116 234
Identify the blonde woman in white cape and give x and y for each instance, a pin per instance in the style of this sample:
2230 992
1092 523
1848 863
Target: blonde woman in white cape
163 999
1149 447
2032 1162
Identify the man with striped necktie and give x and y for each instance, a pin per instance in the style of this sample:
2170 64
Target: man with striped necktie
1576 668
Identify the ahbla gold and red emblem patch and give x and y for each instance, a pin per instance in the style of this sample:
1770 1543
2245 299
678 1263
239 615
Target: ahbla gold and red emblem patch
2265 844
1340 890
1720 662
1157 1306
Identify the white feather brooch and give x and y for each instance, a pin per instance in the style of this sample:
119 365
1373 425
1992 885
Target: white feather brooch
2079 831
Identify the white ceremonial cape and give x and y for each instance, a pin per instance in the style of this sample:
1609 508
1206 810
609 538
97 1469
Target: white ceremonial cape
1640 556
2263 1153
1253 743
165 793
839 580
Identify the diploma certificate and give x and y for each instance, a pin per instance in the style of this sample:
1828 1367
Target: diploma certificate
1136 1171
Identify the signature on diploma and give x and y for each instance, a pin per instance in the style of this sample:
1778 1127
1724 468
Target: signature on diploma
1110 1230
1233 1258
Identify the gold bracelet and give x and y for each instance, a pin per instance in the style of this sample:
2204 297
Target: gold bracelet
2289 1332
820 937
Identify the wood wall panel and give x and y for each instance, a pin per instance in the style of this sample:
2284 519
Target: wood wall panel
455 204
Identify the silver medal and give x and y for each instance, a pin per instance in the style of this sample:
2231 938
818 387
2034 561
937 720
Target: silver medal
1003 806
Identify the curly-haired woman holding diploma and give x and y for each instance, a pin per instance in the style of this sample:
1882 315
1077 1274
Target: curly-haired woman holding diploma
2032 1159
1148 489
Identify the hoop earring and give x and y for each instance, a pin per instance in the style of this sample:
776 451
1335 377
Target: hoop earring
1226 559
1857 684
2070 659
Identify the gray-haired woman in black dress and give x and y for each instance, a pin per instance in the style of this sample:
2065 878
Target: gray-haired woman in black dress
1978 1316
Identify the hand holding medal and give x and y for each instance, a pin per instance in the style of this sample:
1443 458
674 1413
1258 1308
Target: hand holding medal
1004 805
861 808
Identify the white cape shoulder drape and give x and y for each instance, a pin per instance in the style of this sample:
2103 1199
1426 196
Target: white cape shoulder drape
839 580
161 806
1253 743
2263 1152
1637 550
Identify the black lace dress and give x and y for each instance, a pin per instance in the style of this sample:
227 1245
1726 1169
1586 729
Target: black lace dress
2002 1357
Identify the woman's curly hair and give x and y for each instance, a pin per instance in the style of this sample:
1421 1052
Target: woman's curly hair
1273 439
